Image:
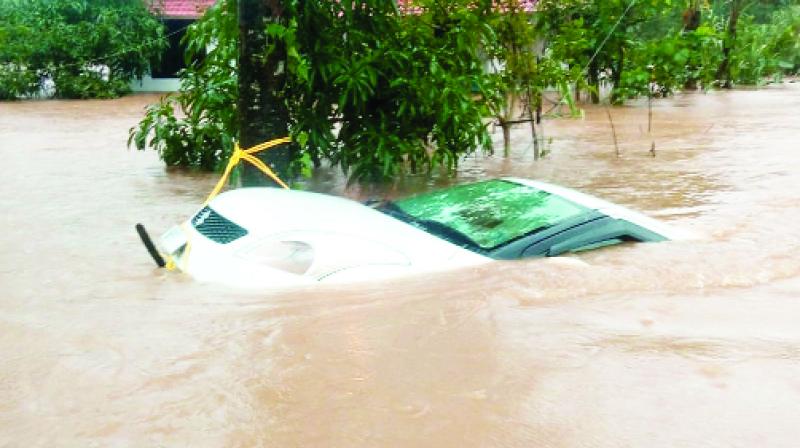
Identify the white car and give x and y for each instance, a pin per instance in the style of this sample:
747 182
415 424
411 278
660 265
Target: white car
256 237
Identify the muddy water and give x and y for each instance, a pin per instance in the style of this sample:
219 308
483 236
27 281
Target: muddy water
673 344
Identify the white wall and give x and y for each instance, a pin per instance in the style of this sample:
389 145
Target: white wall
148 84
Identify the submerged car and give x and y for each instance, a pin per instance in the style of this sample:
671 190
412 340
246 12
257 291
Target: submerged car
275 237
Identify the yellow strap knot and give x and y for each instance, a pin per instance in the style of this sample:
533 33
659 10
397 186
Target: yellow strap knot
247 154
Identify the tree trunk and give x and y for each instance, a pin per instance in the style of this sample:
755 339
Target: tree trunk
724 71
692 16
594 82
263 115
616 76
506 137
504 117
537 153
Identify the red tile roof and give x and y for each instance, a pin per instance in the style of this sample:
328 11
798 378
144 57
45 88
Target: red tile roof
181 8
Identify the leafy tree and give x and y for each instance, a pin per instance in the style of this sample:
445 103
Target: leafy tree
666 45
763 50
754 48
724 71
681 52
522 70
89 48
409 100
371 90
598 36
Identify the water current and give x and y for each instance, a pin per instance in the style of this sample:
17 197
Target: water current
654 345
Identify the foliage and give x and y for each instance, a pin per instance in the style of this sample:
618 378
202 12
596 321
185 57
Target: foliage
88 48
402 87
769 49
668 64
370 90
196 127
519 67
598 37
654 49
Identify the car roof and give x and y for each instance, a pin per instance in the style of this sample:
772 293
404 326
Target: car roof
275 209
608 208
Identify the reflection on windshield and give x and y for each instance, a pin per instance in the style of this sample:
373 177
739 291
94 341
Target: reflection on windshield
490 213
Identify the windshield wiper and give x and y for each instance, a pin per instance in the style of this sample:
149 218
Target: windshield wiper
391 209
448 233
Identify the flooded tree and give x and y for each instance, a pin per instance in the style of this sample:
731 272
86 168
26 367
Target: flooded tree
759 41
523 70
688 43
724 71
369 89
263 114
600 38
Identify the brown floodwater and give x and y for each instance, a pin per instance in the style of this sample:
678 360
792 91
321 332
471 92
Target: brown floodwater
653 345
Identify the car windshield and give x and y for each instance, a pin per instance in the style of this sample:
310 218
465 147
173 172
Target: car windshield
489 214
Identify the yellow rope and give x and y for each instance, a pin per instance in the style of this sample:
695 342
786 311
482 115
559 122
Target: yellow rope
247 154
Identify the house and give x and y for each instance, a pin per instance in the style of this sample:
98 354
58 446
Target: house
177 15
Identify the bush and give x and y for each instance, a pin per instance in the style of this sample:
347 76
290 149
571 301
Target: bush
767 50
88 48
673 62
196 126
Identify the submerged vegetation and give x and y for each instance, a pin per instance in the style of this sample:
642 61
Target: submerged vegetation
84 48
